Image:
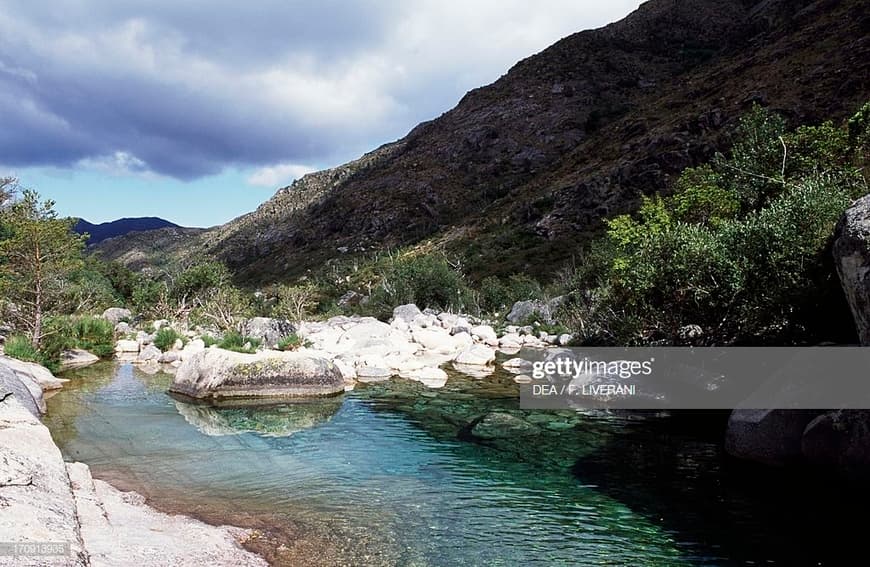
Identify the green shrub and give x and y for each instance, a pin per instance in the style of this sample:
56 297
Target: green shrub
209 340
496 295
19 346
166 337
427 281
235 341
292 342
94 334
741 248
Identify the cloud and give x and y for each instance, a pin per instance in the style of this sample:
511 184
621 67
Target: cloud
189 89
278 175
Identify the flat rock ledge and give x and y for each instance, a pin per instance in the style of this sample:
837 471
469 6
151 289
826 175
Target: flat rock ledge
45 500
219 374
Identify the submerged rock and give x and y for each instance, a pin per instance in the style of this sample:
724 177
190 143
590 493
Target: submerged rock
498 425
217 373
476 355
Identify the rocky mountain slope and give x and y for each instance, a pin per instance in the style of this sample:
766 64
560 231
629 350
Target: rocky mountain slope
120 227
520 174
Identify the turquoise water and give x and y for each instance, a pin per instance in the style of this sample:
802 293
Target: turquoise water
389 474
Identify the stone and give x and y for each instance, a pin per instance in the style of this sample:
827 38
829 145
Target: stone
118 528
39 375
115 314
769 436
565 339
510 341
476 355
851 251
431 377
37 501
159 324
169 357
474 370
276 420
350 299
191 348
149 353
522 311
122 328
221 374
269 331
76 358
25 391
372 373
838 438
484 333
434 338
499 425
406 313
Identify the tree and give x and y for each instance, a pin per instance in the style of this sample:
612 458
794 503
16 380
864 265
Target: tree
37 252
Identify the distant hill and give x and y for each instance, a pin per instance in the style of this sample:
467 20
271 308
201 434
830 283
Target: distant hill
521 174
120 227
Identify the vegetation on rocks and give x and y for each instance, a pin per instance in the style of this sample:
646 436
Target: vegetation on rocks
739 250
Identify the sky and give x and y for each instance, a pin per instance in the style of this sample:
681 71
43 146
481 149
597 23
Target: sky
197 111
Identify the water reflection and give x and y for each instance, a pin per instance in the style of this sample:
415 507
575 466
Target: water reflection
269 421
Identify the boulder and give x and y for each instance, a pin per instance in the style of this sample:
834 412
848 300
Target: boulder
159 324
476 355
169 357
433 338
484 332
524 310
36 374
269 331
149 353
840 438
191 348
221 374
431 377
115 314
851 251
349 299
407 313
498 425
76 358
365 373
27 393
122 328
770 436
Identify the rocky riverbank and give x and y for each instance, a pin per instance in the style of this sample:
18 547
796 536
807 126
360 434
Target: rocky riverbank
86 521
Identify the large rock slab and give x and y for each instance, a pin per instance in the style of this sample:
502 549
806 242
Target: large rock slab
221 374
28 393
37 503
852 257
498 425
117 528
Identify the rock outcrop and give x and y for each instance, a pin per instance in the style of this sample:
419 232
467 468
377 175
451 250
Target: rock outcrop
219 374
43 499
268 330
852 256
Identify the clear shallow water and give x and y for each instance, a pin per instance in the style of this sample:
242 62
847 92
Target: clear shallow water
388 475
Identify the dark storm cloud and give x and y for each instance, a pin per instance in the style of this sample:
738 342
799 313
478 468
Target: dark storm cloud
189 88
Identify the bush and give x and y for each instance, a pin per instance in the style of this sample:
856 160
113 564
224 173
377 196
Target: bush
233 340
209 340
94 334
427 281
166 337
20 347
741 248
292 342
497 295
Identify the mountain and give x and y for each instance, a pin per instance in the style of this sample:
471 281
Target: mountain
521 173
120 227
